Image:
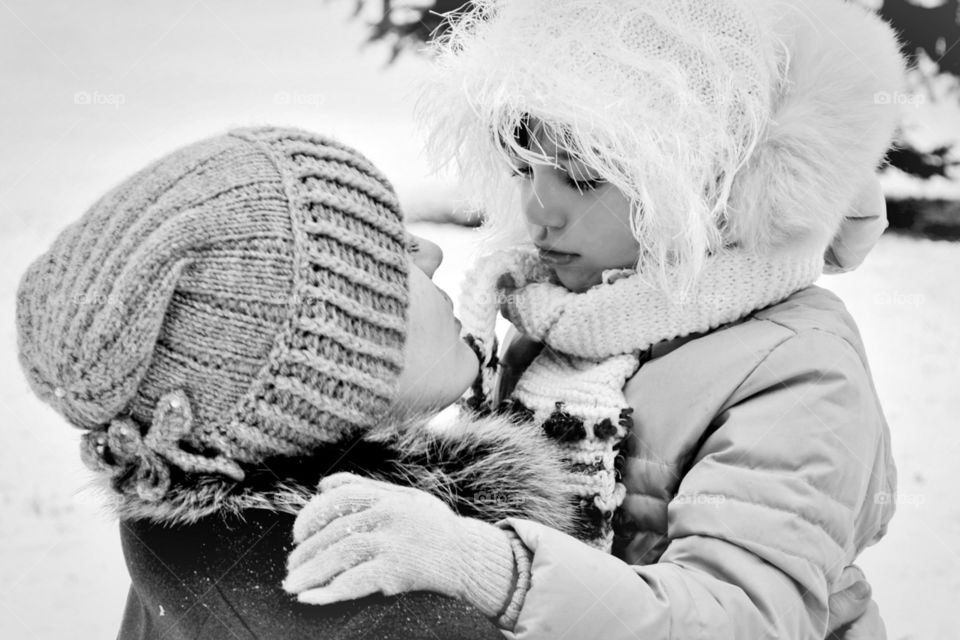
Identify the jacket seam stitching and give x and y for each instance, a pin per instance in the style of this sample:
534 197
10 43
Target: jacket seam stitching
793 334
802 517
797 334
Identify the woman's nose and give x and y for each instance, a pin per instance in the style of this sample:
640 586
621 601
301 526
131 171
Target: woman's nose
542 205
426 255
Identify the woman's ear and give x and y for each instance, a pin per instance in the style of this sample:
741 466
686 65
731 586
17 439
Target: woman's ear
860 230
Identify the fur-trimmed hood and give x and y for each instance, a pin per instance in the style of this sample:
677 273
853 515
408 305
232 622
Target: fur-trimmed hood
833 117
489 468
726 123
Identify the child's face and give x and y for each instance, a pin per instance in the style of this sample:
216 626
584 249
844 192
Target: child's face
580 223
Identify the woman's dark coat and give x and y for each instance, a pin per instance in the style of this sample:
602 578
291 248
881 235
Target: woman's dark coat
207 560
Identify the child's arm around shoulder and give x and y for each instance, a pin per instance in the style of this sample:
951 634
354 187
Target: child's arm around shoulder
792 454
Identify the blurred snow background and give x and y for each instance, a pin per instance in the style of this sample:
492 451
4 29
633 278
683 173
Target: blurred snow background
95 90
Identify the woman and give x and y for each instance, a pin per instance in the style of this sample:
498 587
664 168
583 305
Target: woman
231 324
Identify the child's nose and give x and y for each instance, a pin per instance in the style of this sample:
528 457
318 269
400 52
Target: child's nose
543 206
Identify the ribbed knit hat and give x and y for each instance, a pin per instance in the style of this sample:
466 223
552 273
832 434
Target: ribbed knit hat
242 298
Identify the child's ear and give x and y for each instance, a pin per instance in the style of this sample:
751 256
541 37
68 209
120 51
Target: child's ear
860 230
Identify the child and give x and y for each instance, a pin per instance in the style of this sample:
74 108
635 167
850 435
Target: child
682 168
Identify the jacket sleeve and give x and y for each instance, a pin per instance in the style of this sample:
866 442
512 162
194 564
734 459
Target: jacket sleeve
763 524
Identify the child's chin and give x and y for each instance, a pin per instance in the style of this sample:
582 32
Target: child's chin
576 280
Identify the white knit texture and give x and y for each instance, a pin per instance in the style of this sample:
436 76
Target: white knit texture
631 315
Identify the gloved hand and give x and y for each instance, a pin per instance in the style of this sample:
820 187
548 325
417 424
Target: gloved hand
361 536
868 626
853 613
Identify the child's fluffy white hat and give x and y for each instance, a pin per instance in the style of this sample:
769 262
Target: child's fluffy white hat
743 123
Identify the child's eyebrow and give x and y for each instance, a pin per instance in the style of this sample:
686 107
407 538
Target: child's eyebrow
566 158
526 138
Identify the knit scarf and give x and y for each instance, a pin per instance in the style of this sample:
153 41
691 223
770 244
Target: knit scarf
593 344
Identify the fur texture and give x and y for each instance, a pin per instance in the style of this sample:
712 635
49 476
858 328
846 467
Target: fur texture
487 468
833 119
727 123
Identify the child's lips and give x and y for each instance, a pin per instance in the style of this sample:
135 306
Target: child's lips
557 258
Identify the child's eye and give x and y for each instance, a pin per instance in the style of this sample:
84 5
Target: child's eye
526 172
582 185
522 171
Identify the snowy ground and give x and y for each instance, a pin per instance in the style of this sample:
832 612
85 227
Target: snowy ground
96 89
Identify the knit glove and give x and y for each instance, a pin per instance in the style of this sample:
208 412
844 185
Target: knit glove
361 536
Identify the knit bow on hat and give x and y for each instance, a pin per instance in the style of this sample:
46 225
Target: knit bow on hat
139 463
242 299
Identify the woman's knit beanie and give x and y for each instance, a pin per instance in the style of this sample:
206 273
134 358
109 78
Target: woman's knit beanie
241 299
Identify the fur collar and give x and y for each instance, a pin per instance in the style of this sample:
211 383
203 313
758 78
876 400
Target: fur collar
488 468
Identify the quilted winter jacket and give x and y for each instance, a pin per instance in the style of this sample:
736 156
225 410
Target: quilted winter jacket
758 468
